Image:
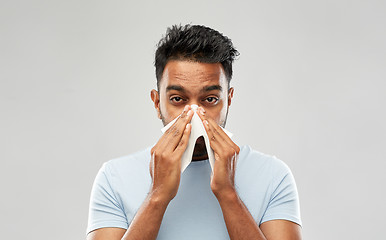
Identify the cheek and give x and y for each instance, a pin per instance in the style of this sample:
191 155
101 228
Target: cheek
168 111
218 114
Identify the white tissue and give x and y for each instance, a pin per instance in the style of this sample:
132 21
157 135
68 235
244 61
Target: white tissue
197 131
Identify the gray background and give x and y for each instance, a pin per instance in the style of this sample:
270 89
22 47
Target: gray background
309 88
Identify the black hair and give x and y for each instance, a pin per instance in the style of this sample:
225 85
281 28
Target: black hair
194 43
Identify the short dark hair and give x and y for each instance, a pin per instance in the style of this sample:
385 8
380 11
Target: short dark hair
194 43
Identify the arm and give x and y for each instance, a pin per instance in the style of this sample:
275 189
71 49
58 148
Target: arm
240 223
165 170
145 224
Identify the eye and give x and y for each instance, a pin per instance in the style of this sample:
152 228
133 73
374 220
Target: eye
176 99
211 100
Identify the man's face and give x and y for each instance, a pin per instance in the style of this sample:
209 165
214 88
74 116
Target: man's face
186 83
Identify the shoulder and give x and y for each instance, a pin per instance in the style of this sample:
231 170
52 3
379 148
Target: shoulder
257 161
259 169
267 187
127 164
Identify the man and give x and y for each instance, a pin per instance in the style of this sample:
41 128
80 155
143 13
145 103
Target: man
248 195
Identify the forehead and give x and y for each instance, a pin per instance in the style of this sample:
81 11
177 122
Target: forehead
193 75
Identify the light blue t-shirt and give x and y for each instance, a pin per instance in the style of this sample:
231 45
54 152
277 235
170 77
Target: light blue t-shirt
264 183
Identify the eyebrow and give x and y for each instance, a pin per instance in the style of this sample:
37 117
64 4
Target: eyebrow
175 87
211 88
204 89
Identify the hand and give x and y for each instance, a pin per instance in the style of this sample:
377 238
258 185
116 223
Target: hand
165 164
225 153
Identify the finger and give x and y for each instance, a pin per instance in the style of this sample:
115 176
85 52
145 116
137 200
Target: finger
215 128
183 114
176 134
218 130
174 130
224 150
180 149
201 113
216 141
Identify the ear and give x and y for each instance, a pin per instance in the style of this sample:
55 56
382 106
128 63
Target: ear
155 98
230 96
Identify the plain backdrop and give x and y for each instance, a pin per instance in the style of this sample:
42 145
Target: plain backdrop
75 92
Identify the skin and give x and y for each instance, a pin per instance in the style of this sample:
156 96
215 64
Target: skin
185 83
209 91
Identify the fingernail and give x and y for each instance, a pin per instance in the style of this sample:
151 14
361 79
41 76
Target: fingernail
190 112
206 122
186 108
202 111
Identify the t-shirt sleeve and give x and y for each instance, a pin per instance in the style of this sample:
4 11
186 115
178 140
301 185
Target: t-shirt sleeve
284 200
105 210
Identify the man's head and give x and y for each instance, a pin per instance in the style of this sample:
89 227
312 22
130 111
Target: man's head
193 66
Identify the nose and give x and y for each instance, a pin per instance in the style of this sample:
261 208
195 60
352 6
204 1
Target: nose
194 107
